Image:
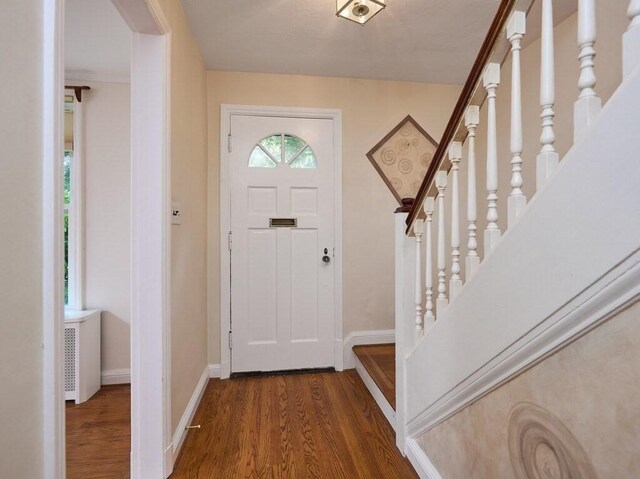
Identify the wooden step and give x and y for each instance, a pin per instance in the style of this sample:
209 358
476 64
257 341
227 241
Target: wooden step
379 361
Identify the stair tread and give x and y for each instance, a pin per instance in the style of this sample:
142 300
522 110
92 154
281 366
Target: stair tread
380 362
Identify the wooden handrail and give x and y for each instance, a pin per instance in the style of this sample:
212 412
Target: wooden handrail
484 55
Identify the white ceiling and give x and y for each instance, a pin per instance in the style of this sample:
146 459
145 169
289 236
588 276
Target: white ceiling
432 41
97 41
415 40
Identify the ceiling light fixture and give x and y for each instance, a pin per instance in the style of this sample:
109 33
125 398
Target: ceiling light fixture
359 11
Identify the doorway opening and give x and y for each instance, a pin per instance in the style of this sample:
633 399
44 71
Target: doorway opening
150 448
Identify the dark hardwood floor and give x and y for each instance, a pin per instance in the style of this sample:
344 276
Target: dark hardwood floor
99 435
380 362
319 425
323 425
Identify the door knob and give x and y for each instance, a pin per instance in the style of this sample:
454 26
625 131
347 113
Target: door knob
326 259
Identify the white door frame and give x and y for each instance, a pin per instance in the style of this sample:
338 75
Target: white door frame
151 451
226 111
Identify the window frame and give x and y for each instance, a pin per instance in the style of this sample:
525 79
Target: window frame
75 298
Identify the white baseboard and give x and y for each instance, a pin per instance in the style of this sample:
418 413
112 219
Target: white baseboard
420 462
358 338
214 370
115 376
180 432
168 460
379 398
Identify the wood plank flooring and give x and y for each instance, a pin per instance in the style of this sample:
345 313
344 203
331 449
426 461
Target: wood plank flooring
380 362
320 425
99 435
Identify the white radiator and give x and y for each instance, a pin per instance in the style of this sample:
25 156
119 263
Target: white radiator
81 354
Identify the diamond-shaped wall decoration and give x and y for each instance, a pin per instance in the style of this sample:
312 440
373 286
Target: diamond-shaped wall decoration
403 157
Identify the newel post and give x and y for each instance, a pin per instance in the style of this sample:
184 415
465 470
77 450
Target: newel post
405 311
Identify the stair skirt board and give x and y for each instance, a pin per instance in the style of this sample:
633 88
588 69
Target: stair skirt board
375 391
420 462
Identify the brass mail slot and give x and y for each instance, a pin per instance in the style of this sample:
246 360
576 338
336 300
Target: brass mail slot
283 222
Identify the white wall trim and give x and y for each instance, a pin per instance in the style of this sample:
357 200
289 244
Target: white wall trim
180 433
115 376
375 391
151 439
614 292
226 111
214 370
53 427
420 462
150 316
358 338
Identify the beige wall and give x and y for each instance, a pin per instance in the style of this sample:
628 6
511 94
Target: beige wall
589 388
107 160
189 187
612 22
20 242
370 109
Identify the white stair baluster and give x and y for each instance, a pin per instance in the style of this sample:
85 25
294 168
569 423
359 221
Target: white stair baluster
471 121
455 283
442 301
588 106
491 80
517 201
631 39
418 229
429 317
547 159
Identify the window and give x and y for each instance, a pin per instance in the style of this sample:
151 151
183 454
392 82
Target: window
72 220
282 149
67 210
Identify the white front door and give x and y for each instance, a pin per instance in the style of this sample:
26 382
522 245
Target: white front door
282 182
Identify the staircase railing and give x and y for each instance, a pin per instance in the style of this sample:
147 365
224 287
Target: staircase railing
422 295
503 41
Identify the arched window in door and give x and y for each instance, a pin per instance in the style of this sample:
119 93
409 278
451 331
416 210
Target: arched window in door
282 149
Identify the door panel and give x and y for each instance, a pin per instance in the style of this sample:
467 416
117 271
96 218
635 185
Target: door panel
304 285
282 304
